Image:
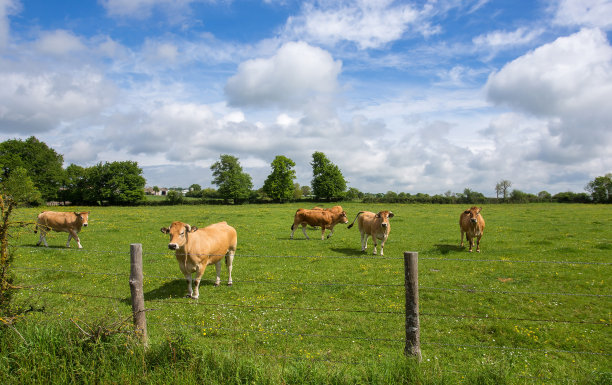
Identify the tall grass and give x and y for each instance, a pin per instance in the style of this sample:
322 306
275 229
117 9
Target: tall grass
511 314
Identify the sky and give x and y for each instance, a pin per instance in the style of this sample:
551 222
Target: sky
428 96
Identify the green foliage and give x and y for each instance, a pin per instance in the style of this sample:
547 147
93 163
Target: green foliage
601 189
174 197
233 183
327 179
116 183
43 164
21 189
279 184
571 197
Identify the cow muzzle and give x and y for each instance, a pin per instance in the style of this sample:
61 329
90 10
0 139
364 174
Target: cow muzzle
84 224
172 246
473 220
384 225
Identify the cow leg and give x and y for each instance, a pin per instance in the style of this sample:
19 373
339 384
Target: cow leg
189 290
331 232
478 244
375 244
382 245
293 227
43 238
304 230
470 241
218 271
73 234
196 288
363 241
461 238
229 260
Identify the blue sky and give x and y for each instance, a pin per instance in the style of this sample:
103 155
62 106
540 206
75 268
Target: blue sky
415 96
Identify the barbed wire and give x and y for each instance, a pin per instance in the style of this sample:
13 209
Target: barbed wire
323 310
170 254
336 284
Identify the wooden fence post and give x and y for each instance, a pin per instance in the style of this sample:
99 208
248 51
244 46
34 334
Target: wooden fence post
136 280
411 275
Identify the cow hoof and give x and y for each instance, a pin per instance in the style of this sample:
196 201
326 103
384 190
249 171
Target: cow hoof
229 284
216 284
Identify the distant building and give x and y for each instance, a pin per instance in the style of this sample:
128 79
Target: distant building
150 191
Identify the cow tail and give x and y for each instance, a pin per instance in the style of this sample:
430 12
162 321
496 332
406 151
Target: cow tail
352 223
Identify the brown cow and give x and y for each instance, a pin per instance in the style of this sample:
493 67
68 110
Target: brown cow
70 223
326 219
472 224
197 248
375 225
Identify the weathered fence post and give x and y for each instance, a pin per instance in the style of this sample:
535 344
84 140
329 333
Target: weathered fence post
136 279
411 275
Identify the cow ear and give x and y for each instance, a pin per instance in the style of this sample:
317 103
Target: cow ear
194 229
78 214
187 227
466 212
377 215
391 215
165 230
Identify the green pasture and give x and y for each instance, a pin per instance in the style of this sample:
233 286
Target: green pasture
534 306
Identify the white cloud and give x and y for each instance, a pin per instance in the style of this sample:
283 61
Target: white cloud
367 23
296 74
7 7
569 84
142 9
500 40
59 42
41 102
588 13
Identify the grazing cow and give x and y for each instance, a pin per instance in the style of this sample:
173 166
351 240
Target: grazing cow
375 225
67 222
472 224
197 248
326 219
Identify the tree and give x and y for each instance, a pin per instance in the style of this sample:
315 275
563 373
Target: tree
328 181
119 183
503 187
233 183
195 191
279 184
601 189
353 194
544 196
43 165
297 191
20 188
306 191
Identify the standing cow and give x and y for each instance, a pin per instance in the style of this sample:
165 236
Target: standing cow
472 224
197 248
67 222
326 219
375 225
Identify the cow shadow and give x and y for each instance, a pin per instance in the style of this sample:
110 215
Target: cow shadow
349 251
176 288
446 248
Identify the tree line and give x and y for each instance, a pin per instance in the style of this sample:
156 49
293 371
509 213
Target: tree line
32 173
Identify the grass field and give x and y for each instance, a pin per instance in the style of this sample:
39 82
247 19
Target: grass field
519 310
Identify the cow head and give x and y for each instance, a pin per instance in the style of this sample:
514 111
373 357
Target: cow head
179 232
83 216
343 217
473 213
384 218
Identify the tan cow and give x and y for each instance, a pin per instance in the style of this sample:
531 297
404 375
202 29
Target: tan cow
472 224
197 248
67 222
326 219
375 225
